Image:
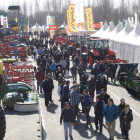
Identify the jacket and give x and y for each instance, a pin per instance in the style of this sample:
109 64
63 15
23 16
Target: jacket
57 74
81 69
104 84
84 79
91 85
105 98
102 67
38 61
67 115
65 91
126 122
51 83
82 88
99 84
121 107
46 86
73 70
63 63
98 108
112 113
84 59
88 101
95 72
40 76
53 66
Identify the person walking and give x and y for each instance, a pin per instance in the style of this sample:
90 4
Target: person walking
39 77
99 85
38 61
47 91
102 68
60 79
87 106
98 109
81 70
77 59
104 96
65 96
60 89
59 72
95 71
121 107
111 113
84 78
85 61
74 98
68 117
35 53
53 67
126 118
63 63
104 82
74 72
51 84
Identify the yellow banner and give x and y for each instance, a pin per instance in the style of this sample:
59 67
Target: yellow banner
77 25
68 19
83 26
89 17
72 16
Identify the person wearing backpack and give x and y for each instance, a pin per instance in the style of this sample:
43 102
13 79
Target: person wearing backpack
98 109
87 106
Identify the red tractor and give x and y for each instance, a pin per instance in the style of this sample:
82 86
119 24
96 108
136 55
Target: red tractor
100 51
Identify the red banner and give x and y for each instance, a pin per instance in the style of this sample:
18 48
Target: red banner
97 25
68 31
53 27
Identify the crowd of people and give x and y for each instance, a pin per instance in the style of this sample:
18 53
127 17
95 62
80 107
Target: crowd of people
53 63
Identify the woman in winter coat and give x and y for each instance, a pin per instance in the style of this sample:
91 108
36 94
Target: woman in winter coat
126 118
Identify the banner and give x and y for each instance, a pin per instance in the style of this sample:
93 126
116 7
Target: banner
68 19
97 25
16 19
48 20
89 17
53 27
5 22
68 31
52 20
80 13
83 26
72 16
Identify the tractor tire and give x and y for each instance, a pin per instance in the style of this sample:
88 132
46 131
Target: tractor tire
2 124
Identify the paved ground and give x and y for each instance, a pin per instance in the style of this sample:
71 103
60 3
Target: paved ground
55 131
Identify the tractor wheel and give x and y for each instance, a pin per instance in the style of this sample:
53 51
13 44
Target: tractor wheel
2 124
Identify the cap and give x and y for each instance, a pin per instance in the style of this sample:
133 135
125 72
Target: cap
75 85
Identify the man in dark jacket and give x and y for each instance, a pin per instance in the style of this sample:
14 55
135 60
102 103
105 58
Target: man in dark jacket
38 60
58 72
102 68
84 78
99 85
74 72
105 96
65 96
58 66
60 79
98 109
91 86
126 118
81 69
47 91
85 61
50 84
95 71
121 107
68 117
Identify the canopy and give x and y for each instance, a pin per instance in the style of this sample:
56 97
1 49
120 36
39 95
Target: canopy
36 26
126 30
63 25
105 34
115 31
132 35
105 26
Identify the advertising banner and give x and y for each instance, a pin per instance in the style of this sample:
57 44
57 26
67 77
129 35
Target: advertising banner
72 15
80 12
53 27
83 26
68 19
89 17
48 20
52 20
97 25
68 31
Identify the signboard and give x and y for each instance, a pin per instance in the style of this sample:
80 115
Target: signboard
53 27
68 31
48 20
97 25
52 20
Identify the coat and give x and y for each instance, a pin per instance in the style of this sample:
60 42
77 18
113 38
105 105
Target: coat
84 79
95 72
46 87
127 121
111 114
99 84
81 69
91 85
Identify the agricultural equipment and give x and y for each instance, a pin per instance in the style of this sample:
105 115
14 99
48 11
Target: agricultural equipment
100 51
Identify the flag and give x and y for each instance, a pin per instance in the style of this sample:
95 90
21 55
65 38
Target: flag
80 13
89 17
72 16
28 25
16 19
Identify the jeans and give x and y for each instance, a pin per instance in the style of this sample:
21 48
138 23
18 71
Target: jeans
39 84
111 128
67 125
98 92
87 110
100 119
85 64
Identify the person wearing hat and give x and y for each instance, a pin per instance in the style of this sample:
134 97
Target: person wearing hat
68 117
74 98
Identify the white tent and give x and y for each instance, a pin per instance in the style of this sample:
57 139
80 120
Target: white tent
115 31
63 25
126 30
36 26
132 35
105 26
105 34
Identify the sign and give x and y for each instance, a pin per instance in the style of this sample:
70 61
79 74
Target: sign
52 20
97 25
53 27
72 16
89 17
68 31
48 20
80 13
